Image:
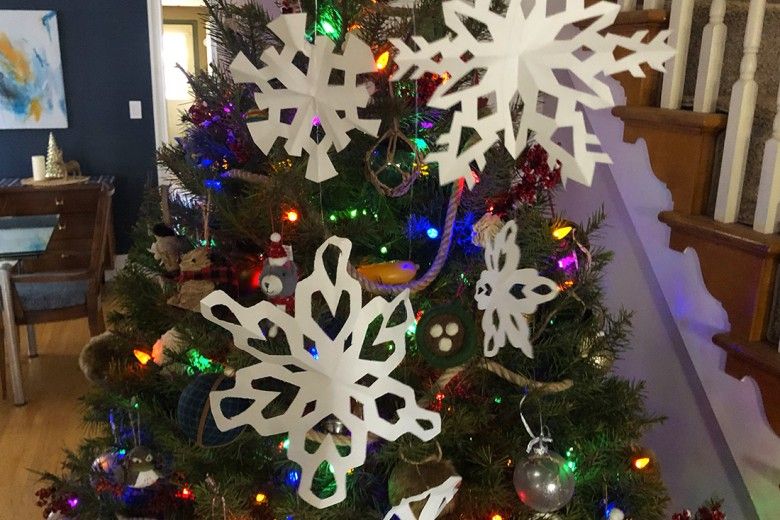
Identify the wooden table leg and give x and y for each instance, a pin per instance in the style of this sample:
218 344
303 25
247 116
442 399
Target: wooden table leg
11 334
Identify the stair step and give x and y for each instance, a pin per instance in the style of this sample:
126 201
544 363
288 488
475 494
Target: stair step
738 264
682 147
761 361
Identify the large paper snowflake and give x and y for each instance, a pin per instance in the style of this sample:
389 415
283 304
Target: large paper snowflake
329 370
325 110
436 500
551 55
507 293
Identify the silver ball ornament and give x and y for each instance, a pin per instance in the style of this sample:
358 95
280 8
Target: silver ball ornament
616 514
543 481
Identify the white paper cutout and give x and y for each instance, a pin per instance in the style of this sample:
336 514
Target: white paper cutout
436 500
308 93
504 319
329 380
522 58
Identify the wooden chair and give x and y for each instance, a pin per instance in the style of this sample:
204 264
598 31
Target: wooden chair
42 296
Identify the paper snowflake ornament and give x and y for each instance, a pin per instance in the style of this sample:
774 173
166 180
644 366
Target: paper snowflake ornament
507 294
324 113
537 54
327 369
436 499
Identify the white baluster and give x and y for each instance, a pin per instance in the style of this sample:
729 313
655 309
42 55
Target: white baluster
741 110
768 202
674 79
627 5
653 4
713 45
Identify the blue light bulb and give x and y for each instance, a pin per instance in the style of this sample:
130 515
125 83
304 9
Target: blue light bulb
293 477
432 233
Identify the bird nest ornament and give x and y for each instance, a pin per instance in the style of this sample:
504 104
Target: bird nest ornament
394 171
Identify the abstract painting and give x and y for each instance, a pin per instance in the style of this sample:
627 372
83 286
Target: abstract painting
32 91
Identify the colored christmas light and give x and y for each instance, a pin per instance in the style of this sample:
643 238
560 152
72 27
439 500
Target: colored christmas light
315 121
382 60
332 217
198 362
185 494
73 502
353 213
314 353
261 498
213 184
641 463
496 517
432 233
293 477
291 215
561 232
142 357
383 250
497 399
421 144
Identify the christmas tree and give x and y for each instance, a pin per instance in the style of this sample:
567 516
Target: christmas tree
396 323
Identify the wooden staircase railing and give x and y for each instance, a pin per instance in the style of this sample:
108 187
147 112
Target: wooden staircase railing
738 263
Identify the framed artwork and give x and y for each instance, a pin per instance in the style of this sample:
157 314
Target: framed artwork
32 91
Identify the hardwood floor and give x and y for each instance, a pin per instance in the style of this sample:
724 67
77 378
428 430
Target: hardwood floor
33 436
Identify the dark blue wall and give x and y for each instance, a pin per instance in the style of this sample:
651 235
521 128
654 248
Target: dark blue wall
105 60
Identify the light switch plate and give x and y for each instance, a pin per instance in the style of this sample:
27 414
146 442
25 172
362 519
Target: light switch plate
135 110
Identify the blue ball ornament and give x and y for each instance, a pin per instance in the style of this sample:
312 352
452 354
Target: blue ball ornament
194 411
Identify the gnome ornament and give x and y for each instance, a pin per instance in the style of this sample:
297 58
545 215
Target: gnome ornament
279 277
139 469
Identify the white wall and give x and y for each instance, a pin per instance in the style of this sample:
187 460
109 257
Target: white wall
695 460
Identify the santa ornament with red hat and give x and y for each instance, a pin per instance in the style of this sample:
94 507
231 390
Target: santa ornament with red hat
279 277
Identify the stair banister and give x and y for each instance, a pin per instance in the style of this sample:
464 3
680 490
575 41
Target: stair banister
767 205
680 21
713 46
741 111
653 4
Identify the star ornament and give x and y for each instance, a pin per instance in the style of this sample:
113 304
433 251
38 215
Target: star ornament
550 56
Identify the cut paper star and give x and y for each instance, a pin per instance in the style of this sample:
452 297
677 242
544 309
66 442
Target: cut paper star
551 56
436 499
325 110
328 371
507 294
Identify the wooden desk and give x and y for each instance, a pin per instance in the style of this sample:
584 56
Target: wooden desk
70 245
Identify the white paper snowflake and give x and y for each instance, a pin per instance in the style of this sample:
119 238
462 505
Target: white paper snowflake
536 53
507 293
436 499
330 374
323 110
